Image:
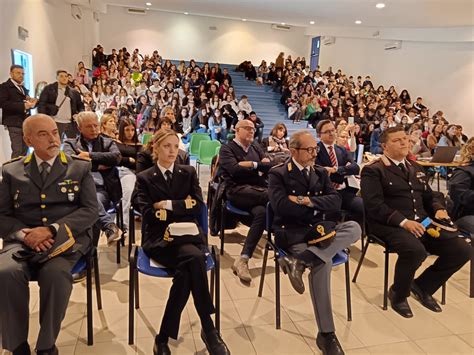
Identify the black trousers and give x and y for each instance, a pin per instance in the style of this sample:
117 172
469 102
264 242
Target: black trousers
252 199
191 277
412 251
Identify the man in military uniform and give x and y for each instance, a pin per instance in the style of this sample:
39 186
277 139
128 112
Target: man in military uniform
41 194
397 199
300 195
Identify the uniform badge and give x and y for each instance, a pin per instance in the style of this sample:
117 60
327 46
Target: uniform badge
76 188
420 175
63 190
70 196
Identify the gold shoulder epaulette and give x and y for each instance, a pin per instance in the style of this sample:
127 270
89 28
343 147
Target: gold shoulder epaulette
14 159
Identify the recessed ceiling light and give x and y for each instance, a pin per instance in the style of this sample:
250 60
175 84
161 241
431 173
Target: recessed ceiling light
283 23
380 5
186 13
311 22
148 4
148 8
358 22
244 19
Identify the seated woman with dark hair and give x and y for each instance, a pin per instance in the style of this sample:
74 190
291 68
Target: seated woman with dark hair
276 145
461 190
169 197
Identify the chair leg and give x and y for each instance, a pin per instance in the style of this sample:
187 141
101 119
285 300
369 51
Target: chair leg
222 231
119 224
264 268
131 302
97 281
471 273
118 252
443 294
218 291
361 260
90 327
348 291
385 281
277 293
137 289
212 286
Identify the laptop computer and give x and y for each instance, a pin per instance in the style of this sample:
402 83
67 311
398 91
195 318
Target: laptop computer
444 155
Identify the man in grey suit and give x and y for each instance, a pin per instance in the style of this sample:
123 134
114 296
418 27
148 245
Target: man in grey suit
41 194
300 195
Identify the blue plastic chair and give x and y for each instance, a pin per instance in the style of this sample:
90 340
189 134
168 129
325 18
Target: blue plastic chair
140 263
341 257
227 208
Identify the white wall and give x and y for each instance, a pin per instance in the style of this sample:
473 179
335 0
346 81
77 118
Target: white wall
55 41
178 36
442 73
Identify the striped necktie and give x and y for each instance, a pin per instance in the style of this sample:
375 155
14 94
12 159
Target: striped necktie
333 158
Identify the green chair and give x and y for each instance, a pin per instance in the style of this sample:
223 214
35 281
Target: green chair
207 151
218 149
146 138
196 138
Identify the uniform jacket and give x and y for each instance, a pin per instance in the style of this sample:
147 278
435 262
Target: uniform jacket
12 104
67 196
390 196
47 100
286 179
104 153
152 187
461 191
343 158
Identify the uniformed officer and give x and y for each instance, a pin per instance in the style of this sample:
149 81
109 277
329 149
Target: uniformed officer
397 199
41 193
300 195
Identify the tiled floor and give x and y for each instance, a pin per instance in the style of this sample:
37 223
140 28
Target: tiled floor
248 322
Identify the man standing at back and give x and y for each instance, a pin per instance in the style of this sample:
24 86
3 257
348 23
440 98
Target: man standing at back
62 103
16 105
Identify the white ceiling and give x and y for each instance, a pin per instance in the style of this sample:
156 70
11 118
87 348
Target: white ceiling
397 13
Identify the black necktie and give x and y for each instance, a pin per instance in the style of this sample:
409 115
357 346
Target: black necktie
169 177
306 174
44 171
403 168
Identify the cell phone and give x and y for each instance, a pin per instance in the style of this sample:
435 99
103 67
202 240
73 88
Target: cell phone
351 120
426 222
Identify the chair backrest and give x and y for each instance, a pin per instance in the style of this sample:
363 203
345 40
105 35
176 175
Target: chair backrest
146 137
196 138
207 149
218 149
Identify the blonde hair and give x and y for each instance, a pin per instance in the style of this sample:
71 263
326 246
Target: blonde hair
467 151
159 137
165 110
106 117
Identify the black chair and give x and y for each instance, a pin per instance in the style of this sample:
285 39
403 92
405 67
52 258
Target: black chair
140 263
117 210
371 238
341 257
228 208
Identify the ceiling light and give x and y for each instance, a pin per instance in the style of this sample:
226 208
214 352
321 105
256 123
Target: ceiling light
358 22
186 13
380 5
148 4
244 19
311 22
148 8
283 23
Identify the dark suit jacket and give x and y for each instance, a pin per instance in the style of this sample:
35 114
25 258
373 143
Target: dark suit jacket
47 100
343 157
12 104
390 196
68 196
286 179
104 152
152 187
461 191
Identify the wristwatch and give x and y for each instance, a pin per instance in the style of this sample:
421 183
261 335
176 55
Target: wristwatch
300 200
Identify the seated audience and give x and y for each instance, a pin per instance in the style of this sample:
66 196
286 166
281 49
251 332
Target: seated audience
258 124
276 145
217 126
169 193
398 199
244 167
375 144
450 138
35 219
108 126
104 155
300 196
244 104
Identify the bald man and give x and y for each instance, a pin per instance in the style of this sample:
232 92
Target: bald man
42 195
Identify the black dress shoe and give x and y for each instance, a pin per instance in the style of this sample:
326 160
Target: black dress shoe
425 298
214 343
399 305
294 268
53 351
161 348
329 344
22 349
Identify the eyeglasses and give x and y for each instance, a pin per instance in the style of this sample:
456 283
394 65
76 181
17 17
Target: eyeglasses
329 131
310 150
248 128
